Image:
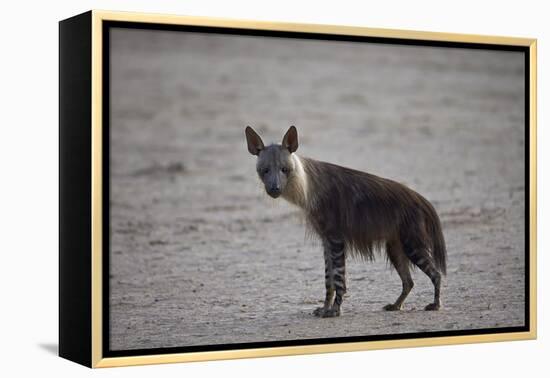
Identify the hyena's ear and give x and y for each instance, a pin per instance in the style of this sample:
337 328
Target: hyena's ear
255 144
290 140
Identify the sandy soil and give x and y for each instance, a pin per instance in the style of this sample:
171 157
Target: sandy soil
200 256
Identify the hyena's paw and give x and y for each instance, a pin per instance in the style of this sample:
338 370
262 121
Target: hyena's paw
323 312
330 313
432 307
392 307
319 311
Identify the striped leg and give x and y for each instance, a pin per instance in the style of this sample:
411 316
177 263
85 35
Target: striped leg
335 278
329 285
422 259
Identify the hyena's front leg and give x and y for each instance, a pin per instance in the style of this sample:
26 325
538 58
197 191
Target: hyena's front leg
335 278
329 285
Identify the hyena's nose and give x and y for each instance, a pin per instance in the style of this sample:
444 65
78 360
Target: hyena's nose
274 191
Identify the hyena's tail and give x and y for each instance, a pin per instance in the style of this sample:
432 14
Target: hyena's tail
433 227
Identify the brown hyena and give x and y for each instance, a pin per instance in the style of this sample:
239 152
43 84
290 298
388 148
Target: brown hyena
354 213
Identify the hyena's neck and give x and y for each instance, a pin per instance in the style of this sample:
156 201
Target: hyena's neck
296 191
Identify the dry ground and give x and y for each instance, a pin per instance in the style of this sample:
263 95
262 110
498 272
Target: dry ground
199 255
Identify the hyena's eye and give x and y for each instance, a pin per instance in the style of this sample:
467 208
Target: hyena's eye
285 170
265 171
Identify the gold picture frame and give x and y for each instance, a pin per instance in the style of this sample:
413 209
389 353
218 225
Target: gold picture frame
85 33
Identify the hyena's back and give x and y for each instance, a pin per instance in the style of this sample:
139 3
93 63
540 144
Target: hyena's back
371 212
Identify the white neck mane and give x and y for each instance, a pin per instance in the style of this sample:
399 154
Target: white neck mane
296 191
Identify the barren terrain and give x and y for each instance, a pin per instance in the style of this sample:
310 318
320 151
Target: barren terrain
200 255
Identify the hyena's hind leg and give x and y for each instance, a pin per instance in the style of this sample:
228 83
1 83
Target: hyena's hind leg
400 262
335 277
424 260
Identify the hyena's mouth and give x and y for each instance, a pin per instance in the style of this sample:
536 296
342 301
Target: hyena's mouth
274 194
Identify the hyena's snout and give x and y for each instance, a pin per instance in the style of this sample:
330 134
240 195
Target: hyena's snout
273 189
274 182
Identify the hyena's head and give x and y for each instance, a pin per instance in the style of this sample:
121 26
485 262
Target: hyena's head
275 163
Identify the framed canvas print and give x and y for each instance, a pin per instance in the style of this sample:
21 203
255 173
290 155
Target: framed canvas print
235 189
